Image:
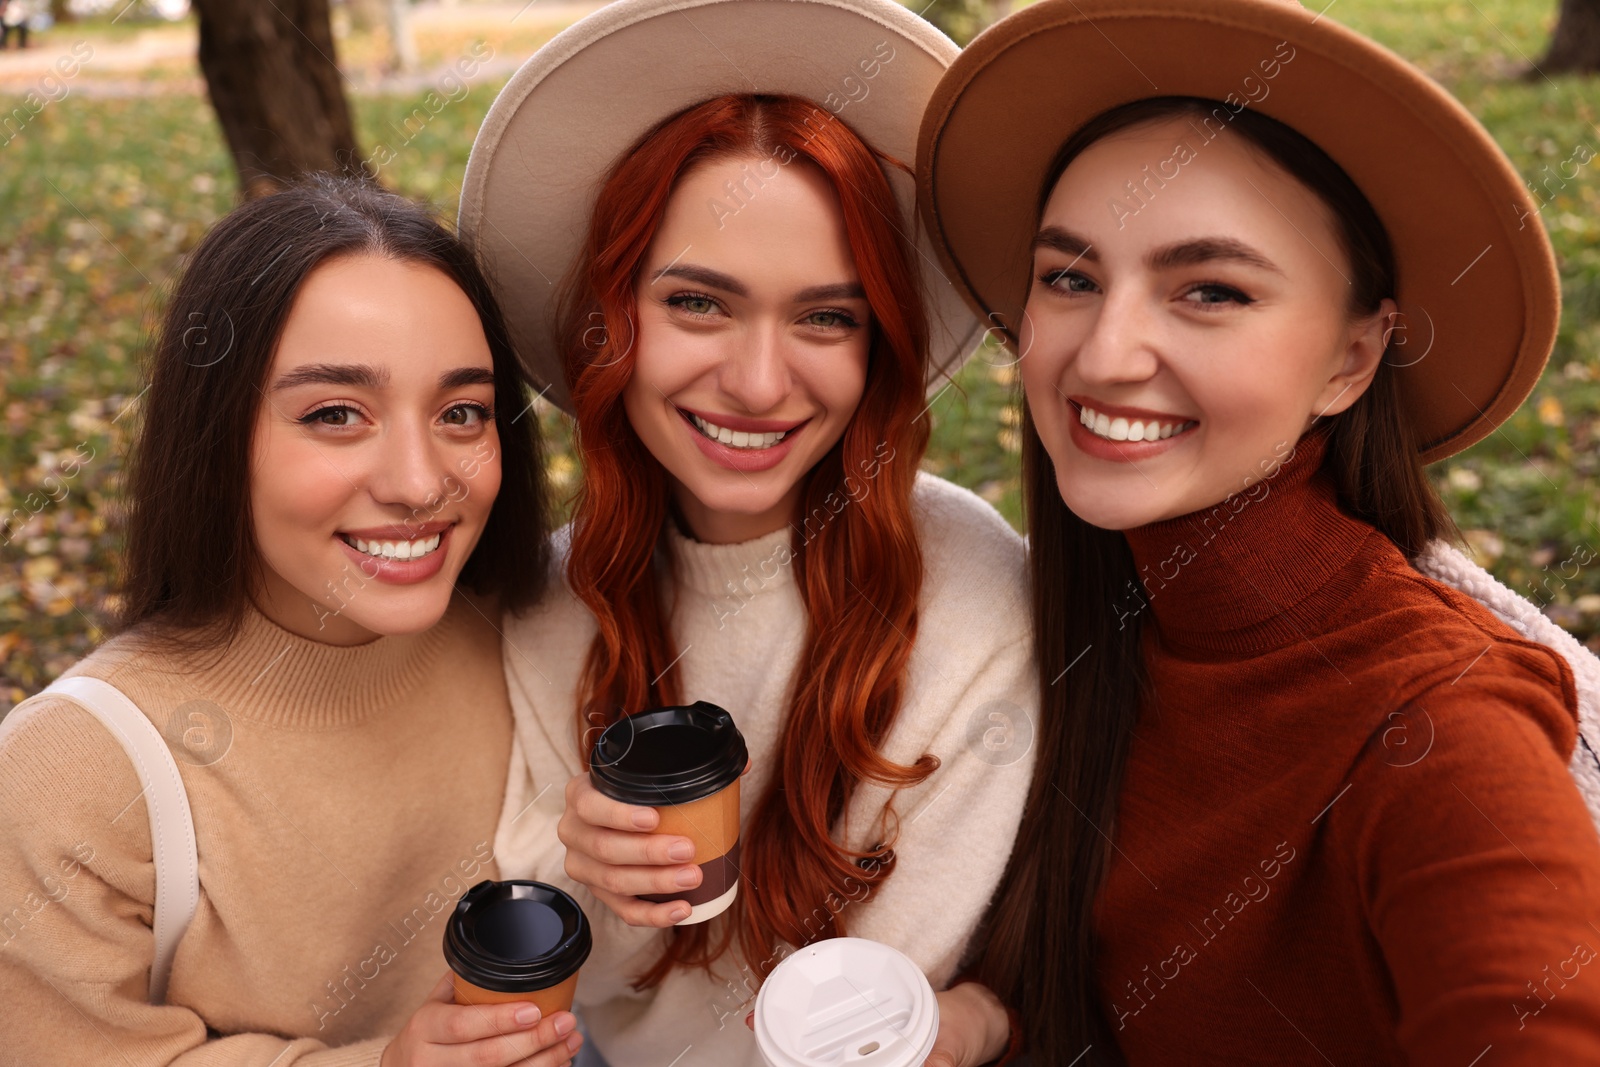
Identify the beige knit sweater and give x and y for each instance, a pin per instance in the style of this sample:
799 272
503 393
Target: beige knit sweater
343 798
970 699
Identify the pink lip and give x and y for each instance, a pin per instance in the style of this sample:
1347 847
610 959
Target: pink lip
739 422
1092 444
742 459
401 571
1116 410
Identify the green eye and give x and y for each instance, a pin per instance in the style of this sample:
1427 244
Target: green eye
1213 294
1067 281
831 319
694 304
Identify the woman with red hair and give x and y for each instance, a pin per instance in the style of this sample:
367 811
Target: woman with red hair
744 334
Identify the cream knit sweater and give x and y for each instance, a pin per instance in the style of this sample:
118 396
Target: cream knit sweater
738 620
343 798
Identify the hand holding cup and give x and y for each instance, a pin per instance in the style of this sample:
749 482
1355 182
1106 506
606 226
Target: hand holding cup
442 1033
653 829
611 849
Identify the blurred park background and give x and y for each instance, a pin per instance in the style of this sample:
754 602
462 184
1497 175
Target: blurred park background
111 173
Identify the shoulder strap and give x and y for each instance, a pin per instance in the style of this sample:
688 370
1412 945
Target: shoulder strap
172 841
1445 563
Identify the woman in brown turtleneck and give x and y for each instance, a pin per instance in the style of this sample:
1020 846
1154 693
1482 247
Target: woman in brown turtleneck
1296 802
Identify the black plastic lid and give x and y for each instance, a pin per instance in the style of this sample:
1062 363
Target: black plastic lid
668 755
516 937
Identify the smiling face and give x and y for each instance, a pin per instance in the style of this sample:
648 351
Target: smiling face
1176 349
374 461
751 344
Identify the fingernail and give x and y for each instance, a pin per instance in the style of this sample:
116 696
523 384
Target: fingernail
527 1016
573 1042
644 818
565 1023
678 914
688 877
681 852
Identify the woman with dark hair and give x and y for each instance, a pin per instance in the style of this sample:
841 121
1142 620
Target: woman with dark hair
326 518
747 341
1297 801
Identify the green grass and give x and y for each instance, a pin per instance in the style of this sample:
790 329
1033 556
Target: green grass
101 198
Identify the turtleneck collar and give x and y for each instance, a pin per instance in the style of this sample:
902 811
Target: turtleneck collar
749 568
1257 571
270 675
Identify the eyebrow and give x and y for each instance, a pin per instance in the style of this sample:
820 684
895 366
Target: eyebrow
729 284
1179 254
704 275
465 376
366 376
838 291
357 374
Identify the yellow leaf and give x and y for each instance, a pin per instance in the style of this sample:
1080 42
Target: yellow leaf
1550 412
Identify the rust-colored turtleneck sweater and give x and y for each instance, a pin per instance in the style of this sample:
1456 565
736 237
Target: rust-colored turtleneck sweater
1347 832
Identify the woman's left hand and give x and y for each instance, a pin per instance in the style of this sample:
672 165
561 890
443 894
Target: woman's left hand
973 1027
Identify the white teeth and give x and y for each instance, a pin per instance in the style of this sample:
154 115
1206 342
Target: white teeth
394 549
1121 429
736 438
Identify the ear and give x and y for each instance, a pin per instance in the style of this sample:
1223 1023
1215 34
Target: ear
1364 347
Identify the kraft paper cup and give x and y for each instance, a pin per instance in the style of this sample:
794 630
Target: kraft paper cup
684 761
846 1001
517 940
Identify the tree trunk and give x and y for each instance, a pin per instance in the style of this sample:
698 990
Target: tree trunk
277 90
1575 45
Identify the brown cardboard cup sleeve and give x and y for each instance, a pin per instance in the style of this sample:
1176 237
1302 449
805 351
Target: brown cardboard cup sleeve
684 761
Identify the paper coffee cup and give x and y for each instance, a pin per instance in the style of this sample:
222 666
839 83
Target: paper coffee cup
846 1001
686 762
517 940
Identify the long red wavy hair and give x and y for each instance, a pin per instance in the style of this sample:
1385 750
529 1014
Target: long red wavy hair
859 571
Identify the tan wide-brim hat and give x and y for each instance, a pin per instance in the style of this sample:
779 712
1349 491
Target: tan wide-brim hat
559 125
1477 278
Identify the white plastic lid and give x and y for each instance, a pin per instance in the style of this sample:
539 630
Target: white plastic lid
846 1001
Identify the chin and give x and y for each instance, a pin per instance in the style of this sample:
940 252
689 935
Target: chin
409 614
1108 509
750 494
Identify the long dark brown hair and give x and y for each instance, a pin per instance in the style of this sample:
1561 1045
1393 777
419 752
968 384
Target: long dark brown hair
1041 951
190 560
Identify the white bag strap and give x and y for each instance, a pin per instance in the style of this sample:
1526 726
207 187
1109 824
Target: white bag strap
1444 562
172 840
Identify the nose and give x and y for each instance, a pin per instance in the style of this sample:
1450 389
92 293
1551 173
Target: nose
1120 346
756 375
410 468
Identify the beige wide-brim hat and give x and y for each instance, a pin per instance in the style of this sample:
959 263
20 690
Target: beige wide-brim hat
1477 277
559 125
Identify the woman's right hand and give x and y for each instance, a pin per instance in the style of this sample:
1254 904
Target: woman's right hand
443 1033
611 850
